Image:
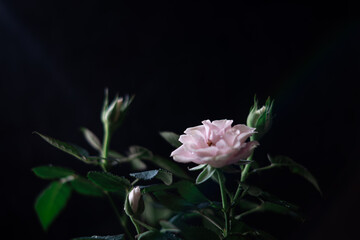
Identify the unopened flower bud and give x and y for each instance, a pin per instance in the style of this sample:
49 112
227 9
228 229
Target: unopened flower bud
134 198
113 112
134 203
112 115
260 118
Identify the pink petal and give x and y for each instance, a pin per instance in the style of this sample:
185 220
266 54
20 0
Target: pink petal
181 155
223 124
246 150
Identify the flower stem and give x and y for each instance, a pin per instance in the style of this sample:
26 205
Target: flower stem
224 203
135 225
106 144
244 175
143 224
121 220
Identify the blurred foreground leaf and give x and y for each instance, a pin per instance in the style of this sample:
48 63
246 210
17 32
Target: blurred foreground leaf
91 138
86 187
51 201
171 138
52 172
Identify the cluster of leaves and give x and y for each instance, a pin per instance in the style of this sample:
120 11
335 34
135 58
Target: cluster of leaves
175 208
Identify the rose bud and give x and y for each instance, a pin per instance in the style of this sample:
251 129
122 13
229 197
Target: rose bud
260 118
113 114
134 203
215 143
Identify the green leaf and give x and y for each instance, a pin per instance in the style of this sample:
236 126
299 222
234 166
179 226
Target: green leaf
171 138
169 165
191 228
246 204
190 192
259 235
161 174
155 188
139 152
51 201
153 211
276 208
267 206
114 237
52 172
109 181
205 174
69 148
172 201
283 161
86 187
138 164
91 138
191 232
168 227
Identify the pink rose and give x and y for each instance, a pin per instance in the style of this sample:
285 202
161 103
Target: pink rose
215 143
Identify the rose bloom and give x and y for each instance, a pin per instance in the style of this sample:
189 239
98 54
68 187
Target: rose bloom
215 143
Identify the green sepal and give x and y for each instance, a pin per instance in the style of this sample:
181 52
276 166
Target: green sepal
205 174
198 167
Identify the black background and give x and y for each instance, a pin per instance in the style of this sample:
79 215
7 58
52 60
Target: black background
185 62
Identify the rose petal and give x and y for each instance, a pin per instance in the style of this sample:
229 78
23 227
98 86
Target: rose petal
181 155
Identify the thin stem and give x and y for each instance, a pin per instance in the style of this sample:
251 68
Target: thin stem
121 220
143 224
105 150
244 175
134 182
135 225
245 172
224 203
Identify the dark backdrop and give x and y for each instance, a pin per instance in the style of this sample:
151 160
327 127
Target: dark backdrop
185 62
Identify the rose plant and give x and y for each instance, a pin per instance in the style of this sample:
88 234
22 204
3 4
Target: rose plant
166 202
